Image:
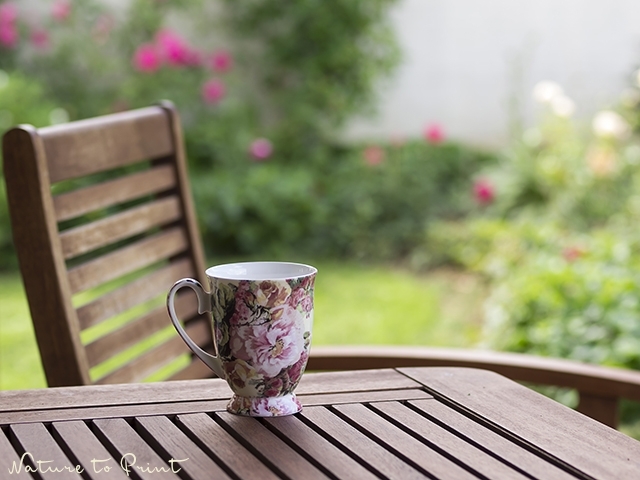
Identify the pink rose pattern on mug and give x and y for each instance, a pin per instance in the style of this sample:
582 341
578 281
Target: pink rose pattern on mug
263 333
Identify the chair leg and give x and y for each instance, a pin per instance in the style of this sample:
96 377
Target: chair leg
603 409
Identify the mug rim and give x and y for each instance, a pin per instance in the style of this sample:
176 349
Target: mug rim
211 271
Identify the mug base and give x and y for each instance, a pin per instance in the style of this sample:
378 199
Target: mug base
264 406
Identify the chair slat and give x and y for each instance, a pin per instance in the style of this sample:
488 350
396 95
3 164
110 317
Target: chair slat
141 254
195 369
147 363
109 141
128 223
134 293
113 192
128 335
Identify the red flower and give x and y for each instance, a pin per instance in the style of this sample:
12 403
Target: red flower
373 155
221 61
261 149
434 134
146 58
483 191
61 10
213 91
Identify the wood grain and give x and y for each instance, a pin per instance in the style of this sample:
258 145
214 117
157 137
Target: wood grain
131 449
510 452
87 451
322 453
136 256
371 452
164 436
224 447
36 440
114 192
271 449
151 360
446 442
525 415
109 141
130 334
134 293
128 223
403 445
10 460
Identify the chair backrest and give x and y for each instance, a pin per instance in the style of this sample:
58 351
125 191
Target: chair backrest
103 224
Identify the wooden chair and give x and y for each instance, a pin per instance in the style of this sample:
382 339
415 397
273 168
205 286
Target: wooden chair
76 231
103 225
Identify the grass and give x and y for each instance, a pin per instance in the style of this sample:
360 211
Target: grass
354 304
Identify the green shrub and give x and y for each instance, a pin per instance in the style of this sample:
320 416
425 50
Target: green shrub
348 208
21 101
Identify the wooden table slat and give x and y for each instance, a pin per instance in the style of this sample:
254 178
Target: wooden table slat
9 459
161 433
217 442
379 458
324 454
87 450
519 457
513 409
191 390
131 450
444 440
88 413
35 439
270 447
402 444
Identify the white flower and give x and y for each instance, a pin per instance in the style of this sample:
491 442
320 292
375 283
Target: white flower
546 91
562 106
610 124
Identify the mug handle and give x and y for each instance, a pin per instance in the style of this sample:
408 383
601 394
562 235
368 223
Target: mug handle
204 305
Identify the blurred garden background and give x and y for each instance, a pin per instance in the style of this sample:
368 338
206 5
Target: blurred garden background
525 244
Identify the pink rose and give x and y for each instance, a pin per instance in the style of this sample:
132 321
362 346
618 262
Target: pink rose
273 387
373 155
61 10
272 347
296 297
483 191
295 371
261 149
172 47
213 91
146 58
8 13
8 35
40 38
221 61
434 134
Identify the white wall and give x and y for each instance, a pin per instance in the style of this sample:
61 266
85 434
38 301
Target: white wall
459 56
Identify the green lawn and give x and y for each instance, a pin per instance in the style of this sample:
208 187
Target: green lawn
355 304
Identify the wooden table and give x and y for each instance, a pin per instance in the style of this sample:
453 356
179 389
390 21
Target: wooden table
405 423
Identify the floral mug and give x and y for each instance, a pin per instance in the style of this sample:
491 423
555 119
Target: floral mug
262 319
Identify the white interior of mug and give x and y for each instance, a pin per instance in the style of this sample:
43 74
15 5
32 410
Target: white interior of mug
260 271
